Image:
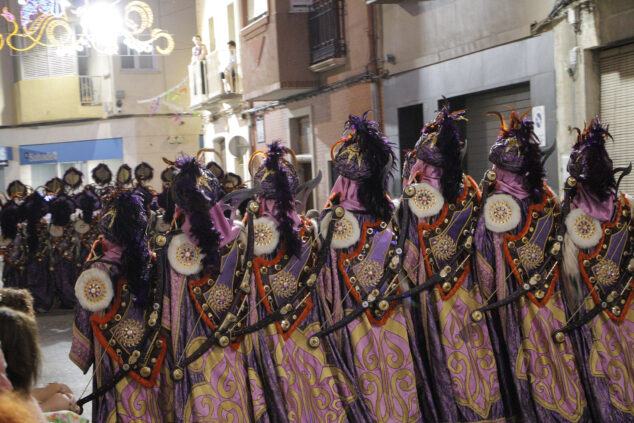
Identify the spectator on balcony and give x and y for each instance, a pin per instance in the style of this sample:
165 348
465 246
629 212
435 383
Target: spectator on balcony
229 75
199 51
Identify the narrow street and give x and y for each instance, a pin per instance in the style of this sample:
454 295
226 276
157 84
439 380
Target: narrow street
56 333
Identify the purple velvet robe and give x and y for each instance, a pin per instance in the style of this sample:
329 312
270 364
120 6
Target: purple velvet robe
606 343
222 385
305 383
63 265
459 352
15 257
545 375
376 351
129 401
38 277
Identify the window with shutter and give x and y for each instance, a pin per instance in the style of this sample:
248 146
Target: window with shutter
617 108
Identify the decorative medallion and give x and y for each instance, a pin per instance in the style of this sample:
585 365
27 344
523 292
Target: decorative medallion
284 284
184 256
585 231
443 247
427 201
607 272
81 227
56 231
501 213
265 236
531 256
129 333
94 289
346 230
220 299
369 273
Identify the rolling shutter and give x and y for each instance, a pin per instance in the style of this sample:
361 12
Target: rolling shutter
617 106
482 130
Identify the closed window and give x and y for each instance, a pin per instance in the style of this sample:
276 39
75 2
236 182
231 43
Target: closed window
134 60
256 9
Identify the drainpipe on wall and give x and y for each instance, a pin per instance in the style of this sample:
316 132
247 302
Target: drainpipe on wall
373 65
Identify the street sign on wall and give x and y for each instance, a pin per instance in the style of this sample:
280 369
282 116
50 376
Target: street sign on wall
539 117
300 6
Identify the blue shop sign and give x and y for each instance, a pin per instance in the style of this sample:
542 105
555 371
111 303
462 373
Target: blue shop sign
75 151
6 154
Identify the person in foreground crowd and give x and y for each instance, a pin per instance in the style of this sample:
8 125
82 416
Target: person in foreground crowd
518 241
444 207
119 327
374 345
599 271
213 380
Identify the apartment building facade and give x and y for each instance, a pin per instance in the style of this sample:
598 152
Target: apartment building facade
80 108
306 66
479 54
593 44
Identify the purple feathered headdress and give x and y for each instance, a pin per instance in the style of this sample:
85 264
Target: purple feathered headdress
367 157
61 209
10 217
34 207
590 163
440 146
124 222
277 180
88 202
195 190
517 150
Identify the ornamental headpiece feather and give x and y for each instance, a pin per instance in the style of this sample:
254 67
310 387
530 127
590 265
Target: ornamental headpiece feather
124 222
277 180
34 207
101 174
589 161
165 199
61 208
517 150
440 145
88 202
195 190
368 157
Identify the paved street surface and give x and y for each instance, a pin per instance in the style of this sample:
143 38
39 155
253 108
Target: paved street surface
56 332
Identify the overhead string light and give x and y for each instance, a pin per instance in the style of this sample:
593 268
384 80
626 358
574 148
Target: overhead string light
104 25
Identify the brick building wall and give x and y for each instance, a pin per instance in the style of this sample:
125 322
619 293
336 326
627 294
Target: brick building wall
328 113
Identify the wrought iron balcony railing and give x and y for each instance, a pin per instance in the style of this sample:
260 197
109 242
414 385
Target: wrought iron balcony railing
326 29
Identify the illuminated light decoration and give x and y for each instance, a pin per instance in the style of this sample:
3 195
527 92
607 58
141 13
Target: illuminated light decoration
46 23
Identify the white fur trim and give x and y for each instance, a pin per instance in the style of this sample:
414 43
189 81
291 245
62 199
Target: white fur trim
161 225
346 233
184 256
570 259
501 213
81 227
94 289
56 231
265 236
584 230
427 201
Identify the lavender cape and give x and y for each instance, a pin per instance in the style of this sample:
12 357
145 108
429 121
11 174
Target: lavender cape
605 344
376 351
459 352
544 375
221 385
306 383
129 401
